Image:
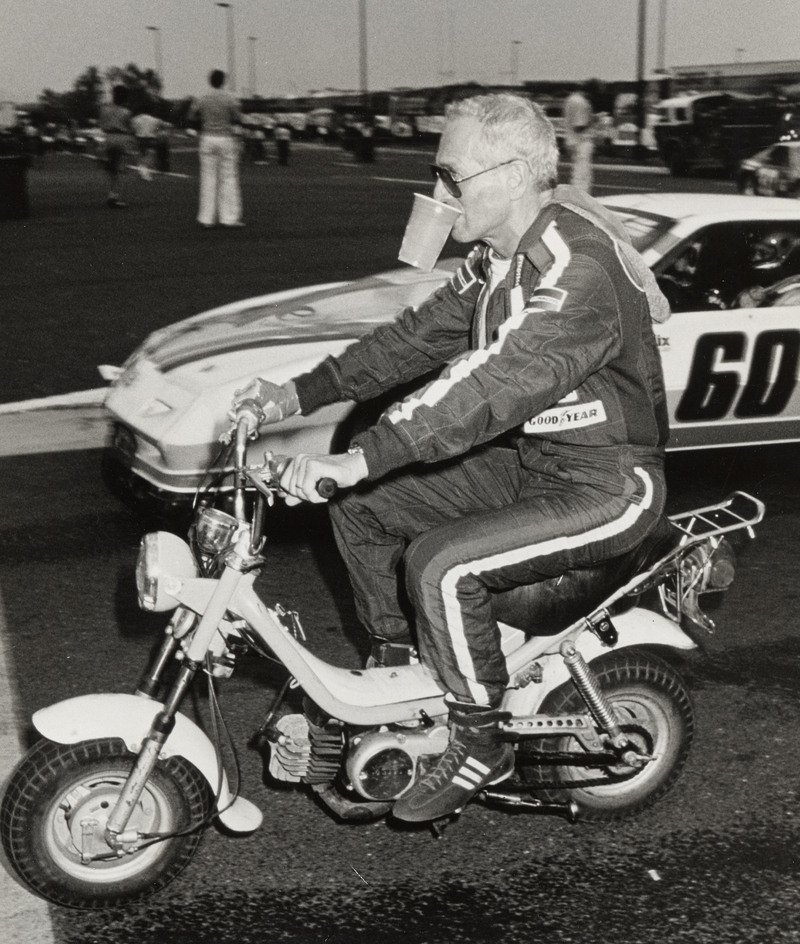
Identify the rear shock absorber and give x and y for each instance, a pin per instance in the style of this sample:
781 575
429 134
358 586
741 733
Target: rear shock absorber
596 701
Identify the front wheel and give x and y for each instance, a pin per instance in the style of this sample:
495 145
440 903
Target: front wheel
653 709
54 813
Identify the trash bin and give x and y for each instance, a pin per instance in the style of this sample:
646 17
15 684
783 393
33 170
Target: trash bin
13 186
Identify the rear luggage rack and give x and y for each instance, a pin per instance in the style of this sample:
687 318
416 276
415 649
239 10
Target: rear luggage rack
739 510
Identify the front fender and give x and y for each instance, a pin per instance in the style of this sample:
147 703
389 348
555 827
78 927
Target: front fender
129 717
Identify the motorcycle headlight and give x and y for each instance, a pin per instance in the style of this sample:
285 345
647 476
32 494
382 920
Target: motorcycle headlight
164 560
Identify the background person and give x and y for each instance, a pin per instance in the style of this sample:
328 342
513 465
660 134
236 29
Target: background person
115 122
219 116
539 447
146 128
283 142
579 137
163 161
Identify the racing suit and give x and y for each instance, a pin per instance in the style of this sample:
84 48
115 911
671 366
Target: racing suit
538 448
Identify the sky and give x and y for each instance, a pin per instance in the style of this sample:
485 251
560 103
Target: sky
305 45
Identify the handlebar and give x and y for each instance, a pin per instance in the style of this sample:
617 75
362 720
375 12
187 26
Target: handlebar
246 427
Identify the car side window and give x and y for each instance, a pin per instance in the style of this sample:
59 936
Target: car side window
717 264
780 156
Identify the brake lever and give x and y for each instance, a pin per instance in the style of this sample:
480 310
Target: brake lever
261 486
326 487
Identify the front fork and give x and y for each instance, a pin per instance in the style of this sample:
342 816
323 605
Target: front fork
162 726
164 722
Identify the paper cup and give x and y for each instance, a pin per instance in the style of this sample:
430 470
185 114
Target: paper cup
426 232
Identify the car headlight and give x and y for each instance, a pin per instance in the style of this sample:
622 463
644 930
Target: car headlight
164 562
123 441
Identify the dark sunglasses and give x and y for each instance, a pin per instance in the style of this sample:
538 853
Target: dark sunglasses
451 183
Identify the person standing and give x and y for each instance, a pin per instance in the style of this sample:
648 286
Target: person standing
538 448
146 128
283 142
219 115
578 123
115 122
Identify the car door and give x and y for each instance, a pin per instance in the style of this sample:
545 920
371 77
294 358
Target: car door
730 366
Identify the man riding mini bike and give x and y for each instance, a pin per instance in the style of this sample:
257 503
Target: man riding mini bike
536 449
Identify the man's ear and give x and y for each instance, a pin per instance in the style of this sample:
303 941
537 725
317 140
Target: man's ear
519 179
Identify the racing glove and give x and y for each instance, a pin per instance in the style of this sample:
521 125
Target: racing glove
275 402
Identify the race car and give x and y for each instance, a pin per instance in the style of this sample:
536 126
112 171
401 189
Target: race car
773 172
729 265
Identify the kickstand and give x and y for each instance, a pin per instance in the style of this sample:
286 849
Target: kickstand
438 826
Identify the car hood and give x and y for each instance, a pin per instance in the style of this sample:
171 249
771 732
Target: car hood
328 312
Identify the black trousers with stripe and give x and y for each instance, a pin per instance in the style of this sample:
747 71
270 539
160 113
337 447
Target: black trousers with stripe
456 531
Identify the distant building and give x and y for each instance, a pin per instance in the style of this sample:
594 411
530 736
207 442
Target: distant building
757 78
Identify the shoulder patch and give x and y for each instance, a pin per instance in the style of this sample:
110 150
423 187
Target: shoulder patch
547 298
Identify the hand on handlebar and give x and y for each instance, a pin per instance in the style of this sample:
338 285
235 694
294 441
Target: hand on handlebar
301 476
261 402
275 402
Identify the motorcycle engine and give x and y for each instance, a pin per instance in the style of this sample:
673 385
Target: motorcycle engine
382 765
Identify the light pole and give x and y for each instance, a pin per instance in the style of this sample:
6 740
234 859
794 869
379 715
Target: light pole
252 41
228 7
515 43
661 57
159 60
641 85
362 47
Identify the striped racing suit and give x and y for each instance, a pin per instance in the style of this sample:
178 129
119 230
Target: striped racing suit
537 448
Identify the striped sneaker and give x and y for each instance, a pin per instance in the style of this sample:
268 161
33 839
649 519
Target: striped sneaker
461 772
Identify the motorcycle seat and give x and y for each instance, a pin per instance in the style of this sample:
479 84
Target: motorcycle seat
548 607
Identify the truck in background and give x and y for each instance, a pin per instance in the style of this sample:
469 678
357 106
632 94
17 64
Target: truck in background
718 129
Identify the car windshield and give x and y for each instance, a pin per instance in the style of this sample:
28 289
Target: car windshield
643 228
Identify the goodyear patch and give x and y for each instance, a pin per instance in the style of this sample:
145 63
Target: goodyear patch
559 418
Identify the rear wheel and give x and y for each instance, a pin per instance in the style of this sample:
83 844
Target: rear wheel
655 712
56 807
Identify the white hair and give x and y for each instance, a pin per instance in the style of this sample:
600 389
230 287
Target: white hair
513 126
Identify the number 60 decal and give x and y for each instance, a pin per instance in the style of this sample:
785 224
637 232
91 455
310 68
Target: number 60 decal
771 378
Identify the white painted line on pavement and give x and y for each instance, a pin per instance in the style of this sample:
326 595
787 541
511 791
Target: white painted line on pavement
77 399
62 423
56 430
405 180
24 918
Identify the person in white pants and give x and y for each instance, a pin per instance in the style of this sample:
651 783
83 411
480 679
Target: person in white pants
220 193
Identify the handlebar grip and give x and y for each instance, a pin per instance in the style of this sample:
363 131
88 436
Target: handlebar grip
327 487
